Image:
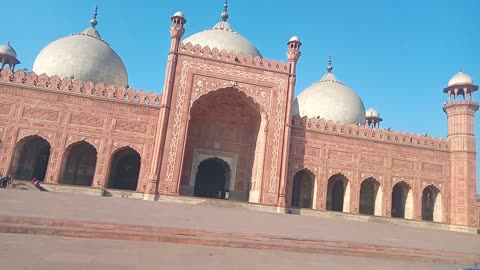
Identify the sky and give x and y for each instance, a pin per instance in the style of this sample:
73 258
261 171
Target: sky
396 55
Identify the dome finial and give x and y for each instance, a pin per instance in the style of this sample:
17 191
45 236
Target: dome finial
93 21
224 15
329 67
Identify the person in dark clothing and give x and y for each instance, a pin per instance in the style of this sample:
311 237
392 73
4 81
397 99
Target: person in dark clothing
3 182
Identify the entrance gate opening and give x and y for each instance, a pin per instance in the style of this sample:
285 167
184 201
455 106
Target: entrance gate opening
212 179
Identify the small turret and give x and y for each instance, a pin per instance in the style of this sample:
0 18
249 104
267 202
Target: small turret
8 56
372 118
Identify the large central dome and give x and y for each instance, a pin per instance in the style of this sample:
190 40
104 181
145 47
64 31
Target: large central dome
331 100
222 37
84 56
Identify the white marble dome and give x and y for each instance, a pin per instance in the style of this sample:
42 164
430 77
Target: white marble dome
84 56
7 50
459 79
222 37
331 100
372 113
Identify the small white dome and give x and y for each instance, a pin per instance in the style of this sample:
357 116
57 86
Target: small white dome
294 38
372 113
331 100
459 79
7 50
178 14
84 56
222 37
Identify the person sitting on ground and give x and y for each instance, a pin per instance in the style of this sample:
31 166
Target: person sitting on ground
3 182
35 182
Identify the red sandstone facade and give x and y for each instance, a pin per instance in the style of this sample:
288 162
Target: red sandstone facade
236 110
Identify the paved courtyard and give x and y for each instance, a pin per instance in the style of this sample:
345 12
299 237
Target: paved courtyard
32 252
226 220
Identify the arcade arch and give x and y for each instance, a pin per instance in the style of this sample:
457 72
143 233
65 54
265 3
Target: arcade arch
432 208
371 197
30 158
79 164
338 193
124 169
402 201
303 189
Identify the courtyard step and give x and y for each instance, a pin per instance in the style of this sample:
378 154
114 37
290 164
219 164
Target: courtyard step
22 185
81 229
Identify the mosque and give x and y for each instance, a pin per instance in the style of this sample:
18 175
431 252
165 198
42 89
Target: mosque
227 126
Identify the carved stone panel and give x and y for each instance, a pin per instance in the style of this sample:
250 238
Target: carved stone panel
135 127
41 114
83 120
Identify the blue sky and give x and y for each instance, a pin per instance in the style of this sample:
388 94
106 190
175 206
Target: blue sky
396 55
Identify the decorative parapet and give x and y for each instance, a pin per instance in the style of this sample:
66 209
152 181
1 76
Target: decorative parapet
88 89
368 133
232 57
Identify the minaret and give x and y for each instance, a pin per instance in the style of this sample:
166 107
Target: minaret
372 118
293 54
176 33
460 110
8 56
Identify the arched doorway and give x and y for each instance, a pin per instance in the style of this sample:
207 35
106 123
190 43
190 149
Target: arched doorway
226 122
79 164
124 169
432 204
338 193
370 197
302 189
212 179
31 158
402 201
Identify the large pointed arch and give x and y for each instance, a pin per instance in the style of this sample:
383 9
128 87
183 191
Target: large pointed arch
226 120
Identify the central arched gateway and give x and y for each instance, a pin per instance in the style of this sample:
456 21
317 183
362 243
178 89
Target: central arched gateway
212 179
224 125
